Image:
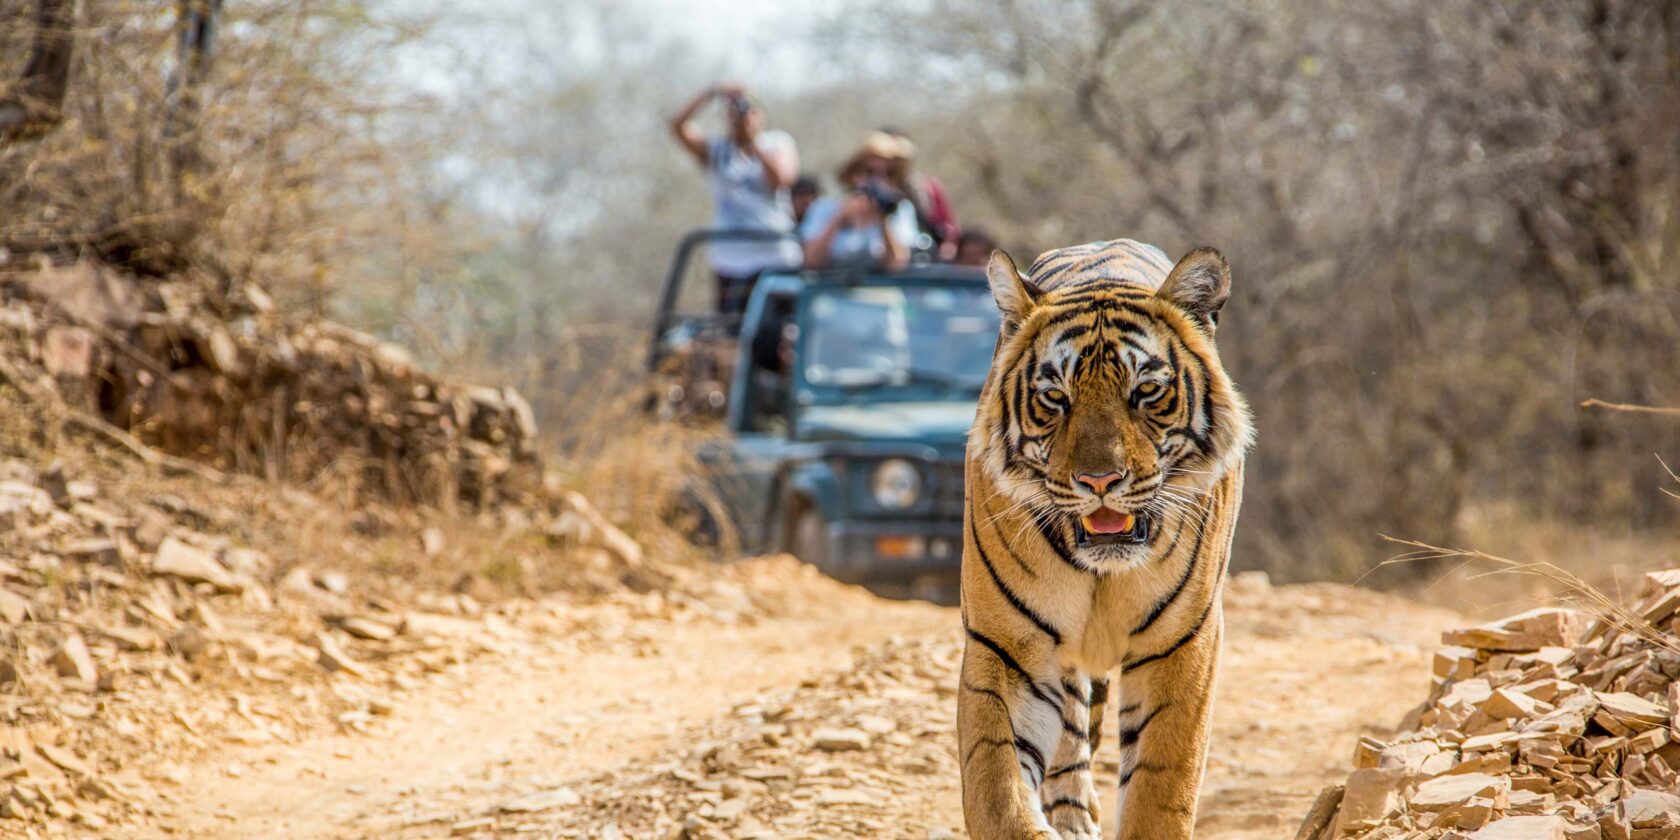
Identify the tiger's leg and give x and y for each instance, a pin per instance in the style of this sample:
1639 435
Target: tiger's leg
1008 722
1164 725
1070 797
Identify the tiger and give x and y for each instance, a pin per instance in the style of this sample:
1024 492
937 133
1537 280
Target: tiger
1103 474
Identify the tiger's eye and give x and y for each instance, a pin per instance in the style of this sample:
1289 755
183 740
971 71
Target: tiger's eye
1149 388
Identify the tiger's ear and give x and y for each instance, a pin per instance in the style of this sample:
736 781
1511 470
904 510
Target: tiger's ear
1199 284
1015 295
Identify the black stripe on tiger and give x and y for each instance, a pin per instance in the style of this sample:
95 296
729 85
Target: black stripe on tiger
1059 545
1022 745
1073 729
1178 588
1074 691
985 742
987 692
1009 595
1067 802
1010 663
1129 735
998 529
1182 641
1099 698
1126 777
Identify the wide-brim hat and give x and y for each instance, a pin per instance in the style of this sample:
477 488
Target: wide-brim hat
896 150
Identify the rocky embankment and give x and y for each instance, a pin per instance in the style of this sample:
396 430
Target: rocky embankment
1543 726
211 371
219 524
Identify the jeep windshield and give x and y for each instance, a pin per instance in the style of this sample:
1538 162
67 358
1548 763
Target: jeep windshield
896 342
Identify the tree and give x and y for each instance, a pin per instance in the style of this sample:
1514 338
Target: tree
35 105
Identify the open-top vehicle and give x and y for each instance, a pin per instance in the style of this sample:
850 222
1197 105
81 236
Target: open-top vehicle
845 407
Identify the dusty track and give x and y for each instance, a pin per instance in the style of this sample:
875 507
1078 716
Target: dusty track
1306 669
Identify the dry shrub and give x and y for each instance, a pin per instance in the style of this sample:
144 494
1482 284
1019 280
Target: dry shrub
643 472
260 156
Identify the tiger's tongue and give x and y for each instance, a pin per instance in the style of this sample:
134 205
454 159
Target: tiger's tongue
1108 521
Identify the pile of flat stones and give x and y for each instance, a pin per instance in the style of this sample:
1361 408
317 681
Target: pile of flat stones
1549 725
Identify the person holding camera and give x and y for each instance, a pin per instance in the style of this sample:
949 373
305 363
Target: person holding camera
750 171
871 223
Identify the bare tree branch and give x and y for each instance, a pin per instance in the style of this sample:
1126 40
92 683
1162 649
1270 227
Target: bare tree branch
37 106
1631 409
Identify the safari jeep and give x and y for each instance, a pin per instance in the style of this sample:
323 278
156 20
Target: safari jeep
844 415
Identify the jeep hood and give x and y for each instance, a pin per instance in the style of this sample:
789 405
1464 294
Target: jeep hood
943 423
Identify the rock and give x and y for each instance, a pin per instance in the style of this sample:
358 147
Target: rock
1524 828
194 565
846 796
1532 630
132 638
1632 711
298 581
189 641
465 827
367 628
246 561
1647 806
1371 794
1444 791
150 527
1409 757
14 608
1505 704
840 740
1472 813
1322 813
87 291
67 352
431 542
542 800
338 583
56 484
71 659
65 760
334 659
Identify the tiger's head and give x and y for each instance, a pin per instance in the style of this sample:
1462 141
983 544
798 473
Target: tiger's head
1107 414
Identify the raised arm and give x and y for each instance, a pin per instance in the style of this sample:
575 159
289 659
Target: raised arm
781 166
686 131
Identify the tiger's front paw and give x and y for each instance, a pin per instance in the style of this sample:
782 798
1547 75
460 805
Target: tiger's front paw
1080 827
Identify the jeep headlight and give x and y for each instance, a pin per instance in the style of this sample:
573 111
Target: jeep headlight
897 484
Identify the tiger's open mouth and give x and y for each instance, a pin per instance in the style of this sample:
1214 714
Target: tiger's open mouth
1107 526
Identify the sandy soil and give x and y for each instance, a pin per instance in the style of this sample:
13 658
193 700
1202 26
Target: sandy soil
545 739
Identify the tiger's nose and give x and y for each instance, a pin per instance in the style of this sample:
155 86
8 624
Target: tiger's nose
1099 484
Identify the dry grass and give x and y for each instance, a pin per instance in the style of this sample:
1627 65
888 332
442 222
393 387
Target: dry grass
1568 589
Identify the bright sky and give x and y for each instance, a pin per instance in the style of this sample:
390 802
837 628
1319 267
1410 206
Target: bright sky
761 40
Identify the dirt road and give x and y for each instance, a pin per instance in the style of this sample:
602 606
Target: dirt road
826 715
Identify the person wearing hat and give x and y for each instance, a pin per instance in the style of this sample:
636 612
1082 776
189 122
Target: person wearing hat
871 223
750 170
934 214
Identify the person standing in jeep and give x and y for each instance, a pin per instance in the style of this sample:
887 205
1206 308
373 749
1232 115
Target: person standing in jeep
750 171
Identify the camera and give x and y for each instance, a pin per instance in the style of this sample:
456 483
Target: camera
739 104
886 198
